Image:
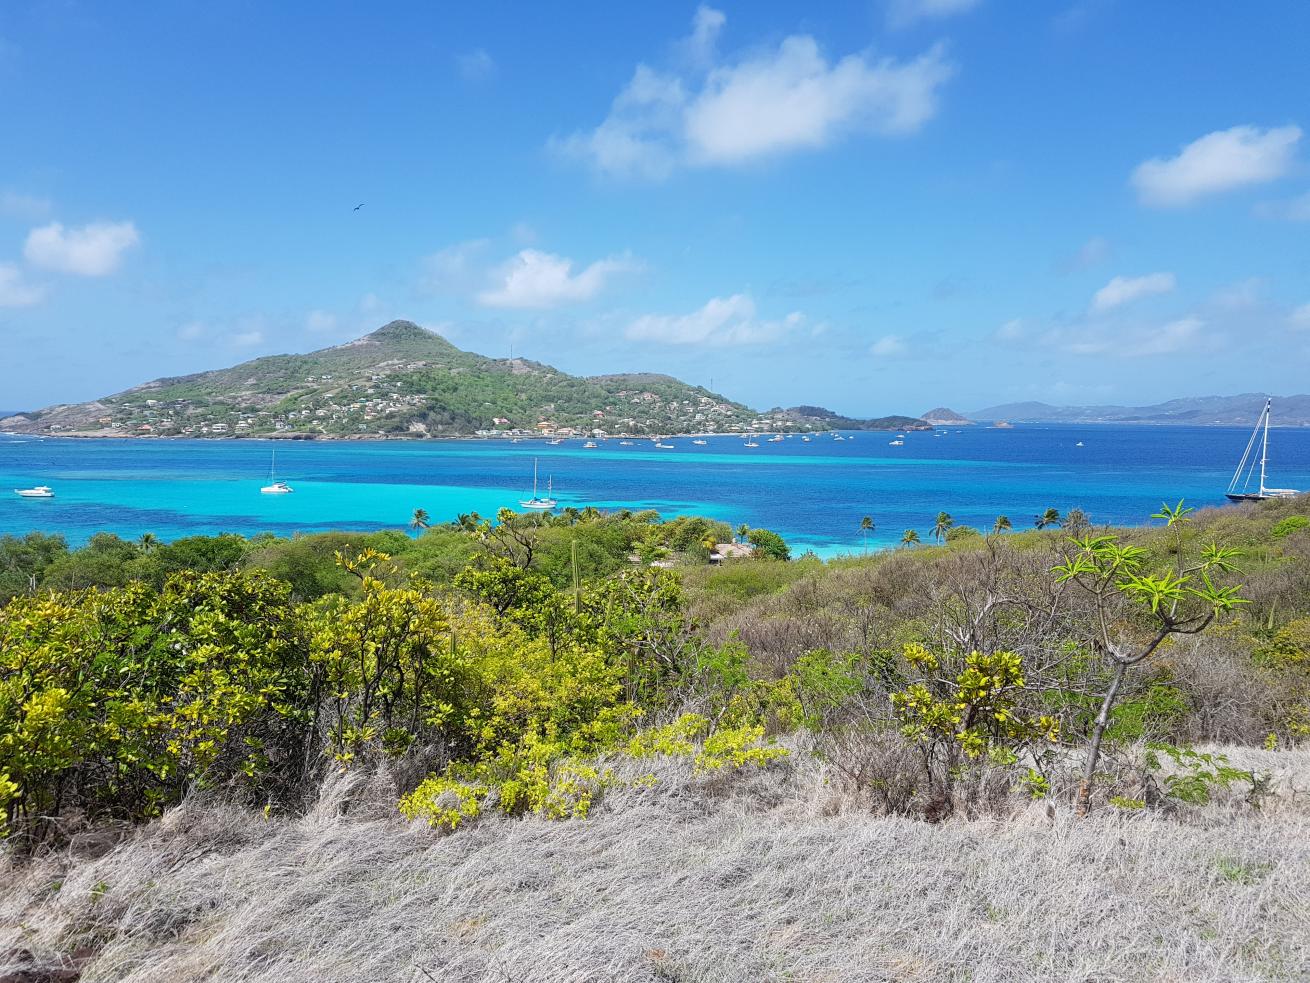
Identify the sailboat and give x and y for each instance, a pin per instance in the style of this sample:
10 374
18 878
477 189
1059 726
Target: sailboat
275 487
1239 487
537 502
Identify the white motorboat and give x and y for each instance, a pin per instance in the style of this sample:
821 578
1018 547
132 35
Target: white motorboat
39 491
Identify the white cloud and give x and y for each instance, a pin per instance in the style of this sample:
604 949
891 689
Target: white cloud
901 13
475 65
794 99
523 233
1124 289
191 331
93 250
778 100
640 137
1300 318
536 279
1010 331
1172 337
889 346
320 322
1289 210
721 321
698 48
1093 252
1244 295
15 290
247 339
1130 339
455 269
22 206
1219 161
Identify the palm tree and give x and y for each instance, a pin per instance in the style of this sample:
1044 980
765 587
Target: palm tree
866 527
910 537
1002 524
942 526
1051 517
419 520
743 531
147 542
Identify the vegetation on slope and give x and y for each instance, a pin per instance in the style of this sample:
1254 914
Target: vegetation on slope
403 381
818 418
542 666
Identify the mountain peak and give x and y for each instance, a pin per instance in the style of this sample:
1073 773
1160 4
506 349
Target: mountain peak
399 331
941 414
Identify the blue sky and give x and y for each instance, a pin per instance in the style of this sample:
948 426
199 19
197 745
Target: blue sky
876 206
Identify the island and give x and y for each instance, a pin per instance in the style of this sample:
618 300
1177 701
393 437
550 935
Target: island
403 381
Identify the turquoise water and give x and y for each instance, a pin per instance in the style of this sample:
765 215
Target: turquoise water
813 493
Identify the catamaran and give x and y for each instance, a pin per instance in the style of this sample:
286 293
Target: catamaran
536 501
275 487
1239 489
40 491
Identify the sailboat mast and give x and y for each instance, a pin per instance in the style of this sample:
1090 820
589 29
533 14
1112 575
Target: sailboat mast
534 479
1264 448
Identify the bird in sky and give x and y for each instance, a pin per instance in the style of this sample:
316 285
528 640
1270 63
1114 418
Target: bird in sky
358 207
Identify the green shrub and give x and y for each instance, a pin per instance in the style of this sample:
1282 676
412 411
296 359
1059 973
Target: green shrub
769 545
1286 526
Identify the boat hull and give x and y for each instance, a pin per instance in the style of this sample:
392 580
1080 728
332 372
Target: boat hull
1264 496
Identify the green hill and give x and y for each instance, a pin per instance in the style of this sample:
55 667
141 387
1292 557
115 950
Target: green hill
818 418
400 380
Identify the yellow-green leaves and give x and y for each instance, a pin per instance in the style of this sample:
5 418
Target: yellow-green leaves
973 703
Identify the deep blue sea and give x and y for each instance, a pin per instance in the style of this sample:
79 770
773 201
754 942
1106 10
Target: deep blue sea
813 493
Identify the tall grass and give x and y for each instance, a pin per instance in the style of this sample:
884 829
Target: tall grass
775 875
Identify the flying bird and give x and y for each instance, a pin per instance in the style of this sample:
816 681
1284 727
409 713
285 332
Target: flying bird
358 207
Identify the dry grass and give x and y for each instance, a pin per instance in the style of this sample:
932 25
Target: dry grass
768 877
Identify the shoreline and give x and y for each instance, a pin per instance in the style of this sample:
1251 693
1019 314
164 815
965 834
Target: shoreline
405 438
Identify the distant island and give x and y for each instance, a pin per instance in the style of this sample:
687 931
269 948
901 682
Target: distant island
1221 411
402 381
817 418
942 417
